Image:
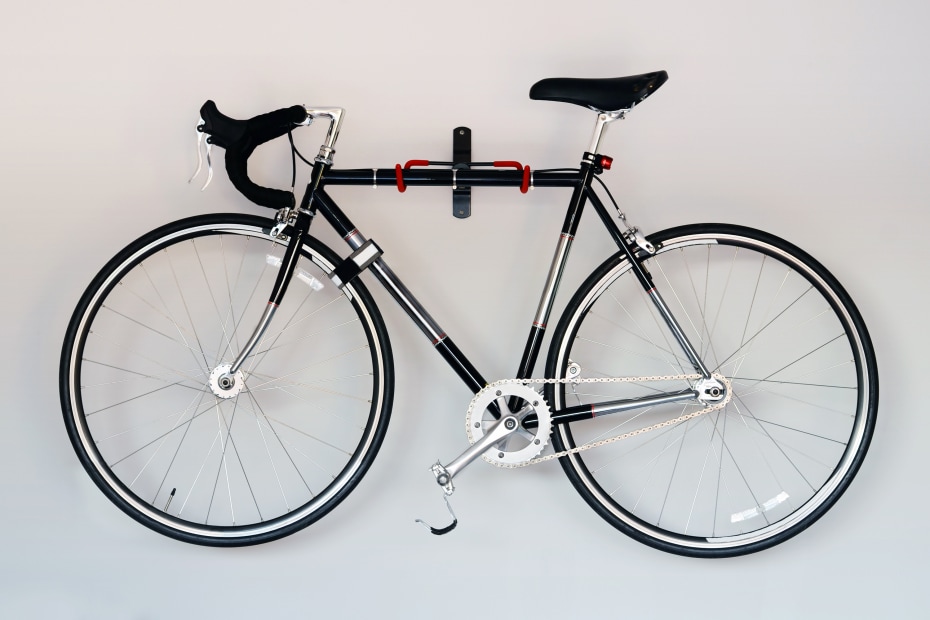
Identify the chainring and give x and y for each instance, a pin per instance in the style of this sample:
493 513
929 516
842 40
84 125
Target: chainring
521 445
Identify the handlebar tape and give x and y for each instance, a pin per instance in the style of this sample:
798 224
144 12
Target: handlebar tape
240 138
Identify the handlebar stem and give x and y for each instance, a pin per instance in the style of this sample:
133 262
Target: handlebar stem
335 124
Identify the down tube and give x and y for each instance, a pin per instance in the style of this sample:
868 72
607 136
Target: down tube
414 309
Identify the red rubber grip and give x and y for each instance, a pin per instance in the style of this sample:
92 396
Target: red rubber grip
401 186
525 185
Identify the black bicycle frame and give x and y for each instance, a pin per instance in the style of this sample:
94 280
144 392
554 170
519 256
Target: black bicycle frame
317 200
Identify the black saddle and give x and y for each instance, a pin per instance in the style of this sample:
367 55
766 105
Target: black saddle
603 95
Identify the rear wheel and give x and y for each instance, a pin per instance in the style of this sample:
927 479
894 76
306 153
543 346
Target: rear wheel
804 392
141 368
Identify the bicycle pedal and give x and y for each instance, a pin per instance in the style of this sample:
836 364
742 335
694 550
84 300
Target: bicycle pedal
441 530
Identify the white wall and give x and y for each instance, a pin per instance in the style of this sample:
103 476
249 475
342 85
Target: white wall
807 119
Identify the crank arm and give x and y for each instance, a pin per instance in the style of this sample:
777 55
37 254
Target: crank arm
504 427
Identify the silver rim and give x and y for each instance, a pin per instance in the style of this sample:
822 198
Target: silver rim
156 432
785 442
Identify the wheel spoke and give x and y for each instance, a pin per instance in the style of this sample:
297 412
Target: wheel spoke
751 474
188 457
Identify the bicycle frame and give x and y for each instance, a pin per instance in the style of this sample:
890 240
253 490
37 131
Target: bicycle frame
295 223
318 200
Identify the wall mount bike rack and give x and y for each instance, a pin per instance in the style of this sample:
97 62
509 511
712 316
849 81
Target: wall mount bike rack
461 160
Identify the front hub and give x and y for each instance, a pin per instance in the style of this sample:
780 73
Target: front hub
226 385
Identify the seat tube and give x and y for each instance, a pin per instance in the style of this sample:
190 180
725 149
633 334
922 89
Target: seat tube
556 268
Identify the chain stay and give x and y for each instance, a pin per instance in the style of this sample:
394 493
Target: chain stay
604 442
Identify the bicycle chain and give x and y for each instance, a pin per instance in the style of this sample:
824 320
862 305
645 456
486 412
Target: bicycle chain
603 442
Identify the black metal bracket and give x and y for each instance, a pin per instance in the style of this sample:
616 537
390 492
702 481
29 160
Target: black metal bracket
461 155
356 263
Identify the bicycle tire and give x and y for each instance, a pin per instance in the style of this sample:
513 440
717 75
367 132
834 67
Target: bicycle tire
804 401
154 435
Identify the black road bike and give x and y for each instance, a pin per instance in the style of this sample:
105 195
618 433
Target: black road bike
710 390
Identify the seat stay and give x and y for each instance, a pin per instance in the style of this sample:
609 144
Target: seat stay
646 281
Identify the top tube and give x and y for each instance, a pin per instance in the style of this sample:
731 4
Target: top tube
447 178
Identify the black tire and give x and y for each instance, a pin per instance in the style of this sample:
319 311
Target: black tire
804 392
163 445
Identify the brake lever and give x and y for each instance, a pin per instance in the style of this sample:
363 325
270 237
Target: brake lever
203 145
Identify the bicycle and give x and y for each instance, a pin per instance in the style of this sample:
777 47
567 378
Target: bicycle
718 417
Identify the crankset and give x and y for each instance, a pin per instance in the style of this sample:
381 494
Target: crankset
508 441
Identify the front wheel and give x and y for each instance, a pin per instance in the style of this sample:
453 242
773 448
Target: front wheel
141 372
804 392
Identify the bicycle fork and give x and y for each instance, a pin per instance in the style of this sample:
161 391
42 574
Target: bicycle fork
227 380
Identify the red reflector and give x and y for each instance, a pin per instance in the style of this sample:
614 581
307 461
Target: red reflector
606 162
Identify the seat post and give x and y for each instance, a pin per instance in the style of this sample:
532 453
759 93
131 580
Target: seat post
603 120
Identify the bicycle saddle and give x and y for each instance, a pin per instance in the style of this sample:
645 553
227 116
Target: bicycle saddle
603 95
